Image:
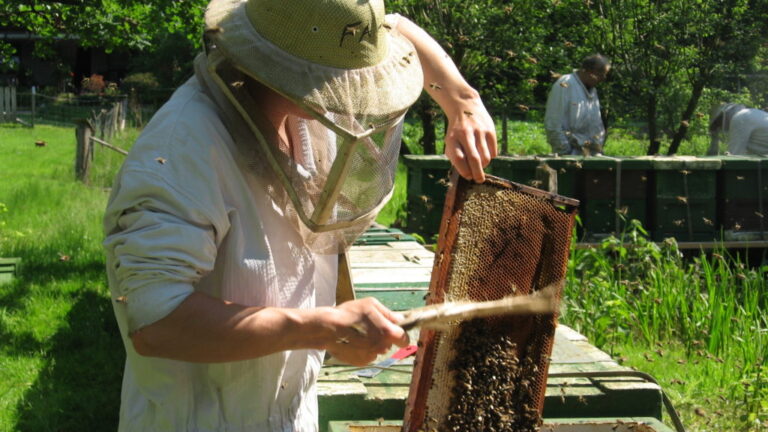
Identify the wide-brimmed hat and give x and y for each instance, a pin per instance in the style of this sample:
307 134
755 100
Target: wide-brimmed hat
331 55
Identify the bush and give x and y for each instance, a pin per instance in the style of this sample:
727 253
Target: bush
141 82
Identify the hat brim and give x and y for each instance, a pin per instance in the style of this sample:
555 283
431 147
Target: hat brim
387 88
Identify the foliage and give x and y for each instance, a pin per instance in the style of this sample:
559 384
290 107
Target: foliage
631 296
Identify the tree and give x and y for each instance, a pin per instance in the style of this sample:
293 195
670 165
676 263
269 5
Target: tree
107 24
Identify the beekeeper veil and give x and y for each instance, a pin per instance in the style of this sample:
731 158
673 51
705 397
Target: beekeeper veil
353 75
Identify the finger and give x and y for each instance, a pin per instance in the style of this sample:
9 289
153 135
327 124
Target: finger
386 321
473 157
482 148
458 160
493 145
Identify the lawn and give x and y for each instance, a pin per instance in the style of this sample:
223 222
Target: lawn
698 324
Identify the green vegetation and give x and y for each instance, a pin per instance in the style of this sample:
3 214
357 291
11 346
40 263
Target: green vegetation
698 325
60 353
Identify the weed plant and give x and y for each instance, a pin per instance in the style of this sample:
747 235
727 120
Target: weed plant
699 324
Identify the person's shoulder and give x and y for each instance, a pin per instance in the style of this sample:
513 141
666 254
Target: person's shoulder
188 107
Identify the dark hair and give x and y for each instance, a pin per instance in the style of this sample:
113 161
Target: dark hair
595 62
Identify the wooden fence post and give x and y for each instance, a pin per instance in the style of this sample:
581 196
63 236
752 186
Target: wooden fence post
83 155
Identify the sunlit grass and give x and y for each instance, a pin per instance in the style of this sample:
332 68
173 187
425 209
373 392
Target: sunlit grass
636 299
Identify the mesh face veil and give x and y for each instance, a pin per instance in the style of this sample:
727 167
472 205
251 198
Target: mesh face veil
336 174
351 73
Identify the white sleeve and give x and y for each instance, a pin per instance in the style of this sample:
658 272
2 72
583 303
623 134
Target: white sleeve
159 242
738 135
557 106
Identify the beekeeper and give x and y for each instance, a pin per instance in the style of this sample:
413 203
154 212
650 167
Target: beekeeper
572 120
745 130
226 221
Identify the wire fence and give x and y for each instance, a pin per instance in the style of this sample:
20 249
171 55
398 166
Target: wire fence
28 107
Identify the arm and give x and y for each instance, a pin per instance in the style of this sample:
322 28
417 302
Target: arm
205 329
470 139
159 245
557 104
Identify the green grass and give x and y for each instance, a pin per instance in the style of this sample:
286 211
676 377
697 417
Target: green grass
60 351
698 324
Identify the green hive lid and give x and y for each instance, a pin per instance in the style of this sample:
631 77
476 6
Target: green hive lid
742 162
608 163
524 162
427 161
684 162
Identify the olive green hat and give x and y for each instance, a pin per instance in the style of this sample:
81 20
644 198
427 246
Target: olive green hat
342 56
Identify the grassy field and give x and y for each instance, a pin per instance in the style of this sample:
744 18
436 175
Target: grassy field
698 325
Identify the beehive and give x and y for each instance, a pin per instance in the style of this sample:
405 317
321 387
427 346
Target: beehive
496 239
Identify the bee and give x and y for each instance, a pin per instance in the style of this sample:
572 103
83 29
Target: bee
737 226
64 258
468 113
683 199
435 86
351 29
563 84
161 160
533 81
700 412
532 60
739 178
122 300
555 75
523 108
424 198
758 214
684 123
511 53
212 30
708 221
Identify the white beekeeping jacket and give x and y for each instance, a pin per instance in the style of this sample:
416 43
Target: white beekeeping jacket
185 215
573 116
748 132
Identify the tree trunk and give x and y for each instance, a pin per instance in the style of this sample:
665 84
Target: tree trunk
653 147
696 91
427 116
504 135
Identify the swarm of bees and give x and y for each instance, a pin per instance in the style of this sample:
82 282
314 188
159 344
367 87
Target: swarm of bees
492 390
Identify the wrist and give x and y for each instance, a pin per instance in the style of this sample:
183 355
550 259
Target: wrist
315 329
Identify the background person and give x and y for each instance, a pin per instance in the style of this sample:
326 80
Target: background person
745 129
572 121
225 222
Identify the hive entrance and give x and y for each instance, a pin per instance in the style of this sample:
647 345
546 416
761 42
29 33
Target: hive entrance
496 239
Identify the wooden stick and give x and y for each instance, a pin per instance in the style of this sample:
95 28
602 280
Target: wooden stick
440 316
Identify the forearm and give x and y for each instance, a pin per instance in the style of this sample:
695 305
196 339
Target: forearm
206 329
470 138
442 79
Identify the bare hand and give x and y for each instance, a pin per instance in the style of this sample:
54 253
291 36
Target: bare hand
470 140
364 329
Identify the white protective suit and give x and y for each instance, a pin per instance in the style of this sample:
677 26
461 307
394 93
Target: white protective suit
748 132
188 214
573 116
